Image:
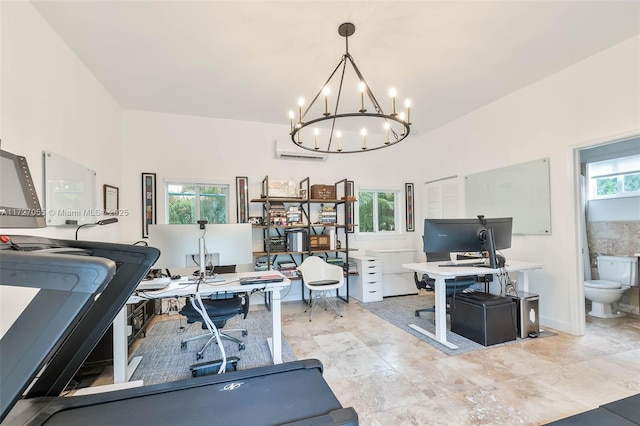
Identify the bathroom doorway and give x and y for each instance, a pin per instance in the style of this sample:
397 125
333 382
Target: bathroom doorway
609 220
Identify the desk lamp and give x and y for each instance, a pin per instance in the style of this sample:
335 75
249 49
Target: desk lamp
100 222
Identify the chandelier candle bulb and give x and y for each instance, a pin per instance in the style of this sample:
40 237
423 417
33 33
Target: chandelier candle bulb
407 104
325 92
362 89
363 132
316 132
300 104
339 136
386 133
291 116
392 94
402 117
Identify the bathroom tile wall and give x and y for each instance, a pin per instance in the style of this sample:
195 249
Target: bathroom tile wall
616 238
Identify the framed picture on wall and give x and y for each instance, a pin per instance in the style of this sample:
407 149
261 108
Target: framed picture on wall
111 198
242 199
408 192
349 207
149 213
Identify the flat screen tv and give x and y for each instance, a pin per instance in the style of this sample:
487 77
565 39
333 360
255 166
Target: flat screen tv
19 205
468 235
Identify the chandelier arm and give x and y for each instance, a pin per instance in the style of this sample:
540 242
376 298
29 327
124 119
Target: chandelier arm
352 114
335 110
323 86
372 98
394 133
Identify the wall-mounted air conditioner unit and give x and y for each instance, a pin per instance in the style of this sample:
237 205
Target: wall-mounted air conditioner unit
299 154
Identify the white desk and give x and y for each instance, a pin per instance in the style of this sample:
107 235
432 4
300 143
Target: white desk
123 369
440 274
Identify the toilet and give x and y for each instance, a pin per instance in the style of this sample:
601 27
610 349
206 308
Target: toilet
617 274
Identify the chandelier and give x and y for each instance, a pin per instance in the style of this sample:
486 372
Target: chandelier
344 129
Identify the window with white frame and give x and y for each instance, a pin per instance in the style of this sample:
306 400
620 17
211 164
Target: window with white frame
616 178
190 202
378 211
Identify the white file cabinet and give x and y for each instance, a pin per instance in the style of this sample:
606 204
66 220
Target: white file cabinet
367 285
396 280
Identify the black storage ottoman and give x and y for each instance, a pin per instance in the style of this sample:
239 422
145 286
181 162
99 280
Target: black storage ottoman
485 318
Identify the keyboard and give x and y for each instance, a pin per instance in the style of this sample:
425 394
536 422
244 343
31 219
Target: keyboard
464 265
207 280
153 284
261 279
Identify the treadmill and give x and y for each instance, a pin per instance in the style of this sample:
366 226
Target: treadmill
73 290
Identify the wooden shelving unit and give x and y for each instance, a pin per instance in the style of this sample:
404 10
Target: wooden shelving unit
273 227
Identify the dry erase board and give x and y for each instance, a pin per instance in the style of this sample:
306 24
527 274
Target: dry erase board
70 191
520 191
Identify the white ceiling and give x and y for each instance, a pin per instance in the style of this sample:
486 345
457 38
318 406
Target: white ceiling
252 60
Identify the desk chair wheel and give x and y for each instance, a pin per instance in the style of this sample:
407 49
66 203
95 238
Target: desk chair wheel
183 345
241 347
245 333
212 367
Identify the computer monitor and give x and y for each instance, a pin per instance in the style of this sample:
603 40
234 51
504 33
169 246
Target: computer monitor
19 205
225 244
468 235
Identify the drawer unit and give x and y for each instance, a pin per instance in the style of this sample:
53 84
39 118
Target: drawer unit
367 285
396 280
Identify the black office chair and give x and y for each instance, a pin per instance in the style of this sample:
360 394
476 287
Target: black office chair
220 307
453 285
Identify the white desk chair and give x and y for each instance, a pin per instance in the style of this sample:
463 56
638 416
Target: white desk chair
321 279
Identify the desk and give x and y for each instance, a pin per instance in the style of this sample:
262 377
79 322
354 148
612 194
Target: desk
123 369
440 274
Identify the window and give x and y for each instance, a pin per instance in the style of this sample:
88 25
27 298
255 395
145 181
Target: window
189 202
378 211
615 178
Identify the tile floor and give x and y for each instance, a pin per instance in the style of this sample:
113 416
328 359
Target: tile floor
393 378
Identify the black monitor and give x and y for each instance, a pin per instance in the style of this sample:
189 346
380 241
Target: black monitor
19 205
468 235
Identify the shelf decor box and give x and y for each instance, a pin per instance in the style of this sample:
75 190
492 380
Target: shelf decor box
319 242
282 188
323 192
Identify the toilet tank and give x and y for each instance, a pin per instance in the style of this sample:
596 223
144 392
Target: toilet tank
622 269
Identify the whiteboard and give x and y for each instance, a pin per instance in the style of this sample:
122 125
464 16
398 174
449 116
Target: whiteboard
70 192
520 191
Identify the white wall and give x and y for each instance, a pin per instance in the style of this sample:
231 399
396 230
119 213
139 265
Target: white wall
587 103
186 147
50 101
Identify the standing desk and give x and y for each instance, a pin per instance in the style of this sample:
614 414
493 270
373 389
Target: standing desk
123 368
442 273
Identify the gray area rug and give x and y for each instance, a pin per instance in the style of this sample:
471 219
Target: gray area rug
400 311
164 361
